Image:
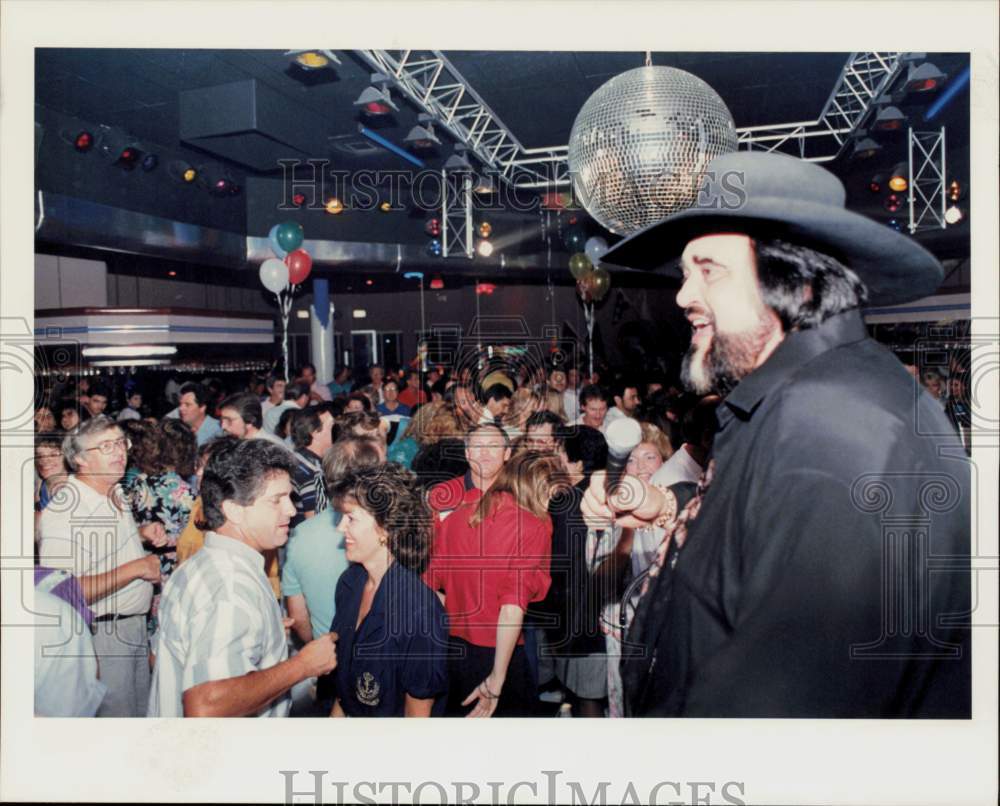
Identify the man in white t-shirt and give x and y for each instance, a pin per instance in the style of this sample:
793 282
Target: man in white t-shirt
275 393
689 460
94 536
593 408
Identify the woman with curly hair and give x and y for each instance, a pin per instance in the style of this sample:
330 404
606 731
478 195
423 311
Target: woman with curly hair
391 629
491 558
161 492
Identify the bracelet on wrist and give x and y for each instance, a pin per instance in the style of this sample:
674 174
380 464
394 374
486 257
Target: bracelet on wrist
669 512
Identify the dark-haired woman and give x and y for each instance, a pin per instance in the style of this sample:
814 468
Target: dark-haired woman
160 493
392 630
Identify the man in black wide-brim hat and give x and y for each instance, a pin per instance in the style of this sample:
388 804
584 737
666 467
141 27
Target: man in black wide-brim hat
823 568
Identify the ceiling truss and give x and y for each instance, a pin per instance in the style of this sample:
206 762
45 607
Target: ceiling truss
432 83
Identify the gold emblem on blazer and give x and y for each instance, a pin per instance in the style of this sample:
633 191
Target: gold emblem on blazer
367 689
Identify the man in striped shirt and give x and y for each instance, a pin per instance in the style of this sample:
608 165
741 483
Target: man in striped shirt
221 649
312 433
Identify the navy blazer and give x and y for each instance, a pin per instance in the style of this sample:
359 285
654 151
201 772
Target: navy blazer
399 649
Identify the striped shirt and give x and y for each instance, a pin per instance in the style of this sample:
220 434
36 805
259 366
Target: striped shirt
218 619
307 481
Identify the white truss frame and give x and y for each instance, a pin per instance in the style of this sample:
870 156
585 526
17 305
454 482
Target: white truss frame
928 194
864 78
433 84
456 215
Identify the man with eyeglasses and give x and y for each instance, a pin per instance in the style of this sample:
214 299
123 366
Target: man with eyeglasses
92 534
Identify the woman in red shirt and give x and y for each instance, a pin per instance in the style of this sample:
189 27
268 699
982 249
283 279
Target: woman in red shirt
490 559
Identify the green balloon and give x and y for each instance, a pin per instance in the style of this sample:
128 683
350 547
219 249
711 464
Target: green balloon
602 283
579 265
289 236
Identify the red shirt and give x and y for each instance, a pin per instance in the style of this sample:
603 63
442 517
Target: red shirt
445 497
410 398
504 559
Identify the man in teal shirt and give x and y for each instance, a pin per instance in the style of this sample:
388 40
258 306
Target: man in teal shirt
315 556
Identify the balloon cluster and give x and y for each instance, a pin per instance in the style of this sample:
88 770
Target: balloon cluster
292 264
282 274
592 281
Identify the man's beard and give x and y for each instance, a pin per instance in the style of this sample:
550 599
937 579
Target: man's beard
730 358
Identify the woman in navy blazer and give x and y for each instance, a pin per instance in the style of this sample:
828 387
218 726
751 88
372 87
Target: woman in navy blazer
392 631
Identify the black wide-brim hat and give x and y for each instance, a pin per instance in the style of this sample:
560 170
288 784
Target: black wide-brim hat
775 195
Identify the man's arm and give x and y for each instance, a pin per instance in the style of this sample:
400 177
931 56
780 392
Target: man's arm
299 610
97 586
249 693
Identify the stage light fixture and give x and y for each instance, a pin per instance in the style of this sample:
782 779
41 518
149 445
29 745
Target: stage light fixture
128 157
953 214
875 185
889 119
182 171
313 59
484 248
458 161
900 181
434 248
369 282
485 229
437 282
334 206
894 224
865 148
484 186
298 199
433 227
84 141
149 162
358 313
925 78
954 190
485 288
422 135
376 100
300 314
385 207
893 203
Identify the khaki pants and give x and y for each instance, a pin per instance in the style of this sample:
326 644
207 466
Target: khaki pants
122 649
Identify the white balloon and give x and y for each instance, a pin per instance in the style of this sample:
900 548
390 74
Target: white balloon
274 275
595 248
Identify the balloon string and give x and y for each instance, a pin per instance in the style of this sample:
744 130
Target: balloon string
285 305
588 313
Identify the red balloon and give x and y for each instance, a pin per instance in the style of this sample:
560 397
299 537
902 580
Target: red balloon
299 265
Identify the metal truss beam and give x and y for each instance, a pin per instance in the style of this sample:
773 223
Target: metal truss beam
928 196
432 83
864 78
456 215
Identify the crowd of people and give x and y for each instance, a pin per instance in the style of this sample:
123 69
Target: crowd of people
450 542
493 455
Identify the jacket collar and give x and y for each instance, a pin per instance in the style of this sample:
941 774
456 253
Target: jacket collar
796 350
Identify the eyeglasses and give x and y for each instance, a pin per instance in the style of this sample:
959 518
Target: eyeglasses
109 446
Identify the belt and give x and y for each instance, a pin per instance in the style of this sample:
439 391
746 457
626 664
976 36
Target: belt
116 617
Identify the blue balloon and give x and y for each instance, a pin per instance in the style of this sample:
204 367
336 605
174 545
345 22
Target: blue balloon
272 237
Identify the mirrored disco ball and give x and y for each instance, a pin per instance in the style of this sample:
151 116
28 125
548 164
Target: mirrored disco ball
641 142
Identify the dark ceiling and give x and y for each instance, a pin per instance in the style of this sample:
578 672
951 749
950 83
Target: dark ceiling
536 94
